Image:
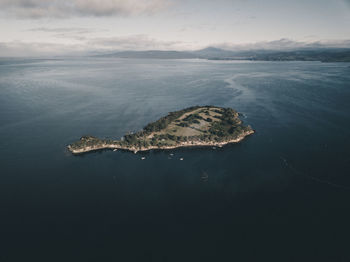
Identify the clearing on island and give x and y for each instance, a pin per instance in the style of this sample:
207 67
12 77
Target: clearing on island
193 126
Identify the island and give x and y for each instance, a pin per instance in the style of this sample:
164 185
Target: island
194 126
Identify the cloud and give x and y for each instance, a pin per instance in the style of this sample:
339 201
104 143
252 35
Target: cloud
69 33
136 42
77 30
22 49
89 45
69 8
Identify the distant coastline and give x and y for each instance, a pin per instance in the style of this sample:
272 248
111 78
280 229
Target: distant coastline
212 53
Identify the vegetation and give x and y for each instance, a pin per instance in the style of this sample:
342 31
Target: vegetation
193 125
163 122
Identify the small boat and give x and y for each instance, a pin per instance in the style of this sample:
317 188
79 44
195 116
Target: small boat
181 159
204 177
171 154
115 150
143 158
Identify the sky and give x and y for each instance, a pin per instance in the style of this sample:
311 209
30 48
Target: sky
44 27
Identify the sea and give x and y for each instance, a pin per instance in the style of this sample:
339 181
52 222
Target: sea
282 194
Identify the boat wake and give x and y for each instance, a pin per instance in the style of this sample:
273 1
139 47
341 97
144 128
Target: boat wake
323 181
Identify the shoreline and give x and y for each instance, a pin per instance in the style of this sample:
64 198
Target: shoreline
143 149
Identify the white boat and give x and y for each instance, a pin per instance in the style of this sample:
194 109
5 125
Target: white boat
143 158
115 150
181 159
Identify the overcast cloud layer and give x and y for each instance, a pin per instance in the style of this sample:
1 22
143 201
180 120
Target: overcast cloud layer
56 27
68 8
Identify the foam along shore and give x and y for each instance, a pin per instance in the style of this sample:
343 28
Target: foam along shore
191 127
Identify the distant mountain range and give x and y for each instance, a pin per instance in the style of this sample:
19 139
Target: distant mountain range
152 54
212 53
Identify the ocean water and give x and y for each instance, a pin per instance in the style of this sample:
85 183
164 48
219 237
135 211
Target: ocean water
282 194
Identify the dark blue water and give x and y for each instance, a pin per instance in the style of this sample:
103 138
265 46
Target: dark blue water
282 194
